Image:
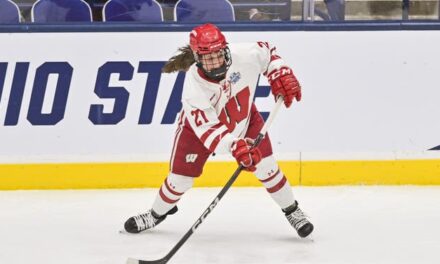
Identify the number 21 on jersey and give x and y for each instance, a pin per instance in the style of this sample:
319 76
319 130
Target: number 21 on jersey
198 115
235 110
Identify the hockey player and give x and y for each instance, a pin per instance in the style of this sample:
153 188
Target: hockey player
219 115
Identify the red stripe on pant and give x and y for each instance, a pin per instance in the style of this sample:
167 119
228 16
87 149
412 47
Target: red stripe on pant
271 177
165 198
277 186
167 185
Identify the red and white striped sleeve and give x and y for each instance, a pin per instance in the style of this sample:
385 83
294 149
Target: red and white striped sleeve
204 121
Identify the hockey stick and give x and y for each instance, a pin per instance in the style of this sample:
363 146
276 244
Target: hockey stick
216 200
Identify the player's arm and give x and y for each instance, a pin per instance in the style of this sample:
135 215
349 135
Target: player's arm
205 123
281 78
215 136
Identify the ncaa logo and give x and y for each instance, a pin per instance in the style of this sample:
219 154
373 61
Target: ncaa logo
235 77
191 158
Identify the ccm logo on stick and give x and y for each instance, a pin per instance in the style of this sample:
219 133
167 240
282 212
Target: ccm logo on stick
205 214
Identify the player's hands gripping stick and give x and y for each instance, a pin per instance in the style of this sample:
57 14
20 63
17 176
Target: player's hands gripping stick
245 155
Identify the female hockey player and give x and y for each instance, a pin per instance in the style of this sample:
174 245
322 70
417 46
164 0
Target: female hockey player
219 115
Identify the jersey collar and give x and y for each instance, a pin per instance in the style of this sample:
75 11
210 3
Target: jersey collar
204 77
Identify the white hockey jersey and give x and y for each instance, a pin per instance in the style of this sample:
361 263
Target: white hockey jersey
219 112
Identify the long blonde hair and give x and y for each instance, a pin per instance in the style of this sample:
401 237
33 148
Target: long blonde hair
181 61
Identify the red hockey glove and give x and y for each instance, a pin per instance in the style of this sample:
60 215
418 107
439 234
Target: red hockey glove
244 154
284 83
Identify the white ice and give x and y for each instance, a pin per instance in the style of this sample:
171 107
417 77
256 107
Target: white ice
352 225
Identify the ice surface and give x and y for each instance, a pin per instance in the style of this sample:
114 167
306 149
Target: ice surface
352 225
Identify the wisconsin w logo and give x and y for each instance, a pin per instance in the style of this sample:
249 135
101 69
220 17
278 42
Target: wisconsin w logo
236 109
191 158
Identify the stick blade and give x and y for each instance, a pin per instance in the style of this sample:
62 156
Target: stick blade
132 261
137 261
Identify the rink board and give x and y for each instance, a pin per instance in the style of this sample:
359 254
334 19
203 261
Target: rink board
140 175
70 120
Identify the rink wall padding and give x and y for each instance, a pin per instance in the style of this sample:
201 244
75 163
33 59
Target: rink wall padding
144 175
89 107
